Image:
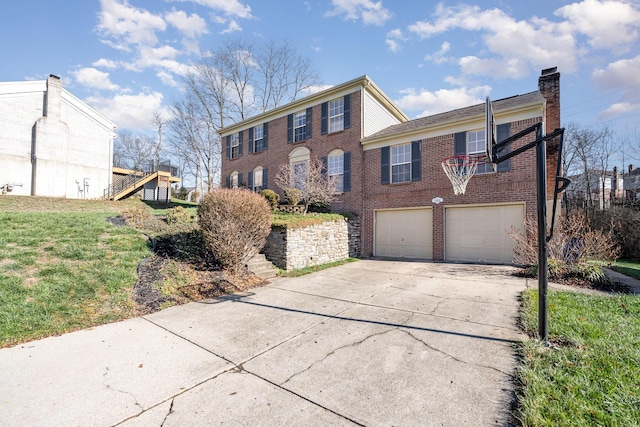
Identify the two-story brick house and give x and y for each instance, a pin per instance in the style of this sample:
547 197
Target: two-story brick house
391 167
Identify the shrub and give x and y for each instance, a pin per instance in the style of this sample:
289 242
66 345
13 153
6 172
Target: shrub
136 215
235 224
178 215
624 223
293 195
572 250
272 197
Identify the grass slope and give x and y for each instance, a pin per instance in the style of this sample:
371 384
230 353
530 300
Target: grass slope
63 266
593 377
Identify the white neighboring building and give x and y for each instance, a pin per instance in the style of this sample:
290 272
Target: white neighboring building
51 143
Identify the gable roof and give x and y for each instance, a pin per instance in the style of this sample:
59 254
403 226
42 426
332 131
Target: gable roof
359 83
460 119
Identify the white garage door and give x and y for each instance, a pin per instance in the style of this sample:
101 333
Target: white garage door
404 233
481 234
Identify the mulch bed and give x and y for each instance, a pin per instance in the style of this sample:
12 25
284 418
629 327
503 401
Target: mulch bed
579 282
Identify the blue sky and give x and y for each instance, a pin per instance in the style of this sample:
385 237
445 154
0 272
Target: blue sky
126 58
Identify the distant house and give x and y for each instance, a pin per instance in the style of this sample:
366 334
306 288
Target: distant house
632 183
598 186
51 143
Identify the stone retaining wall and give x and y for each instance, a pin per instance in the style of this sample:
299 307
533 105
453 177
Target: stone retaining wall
316 244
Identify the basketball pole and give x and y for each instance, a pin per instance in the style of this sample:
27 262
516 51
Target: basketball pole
543 270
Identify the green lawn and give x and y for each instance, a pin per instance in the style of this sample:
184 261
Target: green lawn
593 377
63 266
629 268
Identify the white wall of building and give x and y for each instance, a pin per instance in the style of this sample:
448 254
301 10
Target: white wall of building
52 143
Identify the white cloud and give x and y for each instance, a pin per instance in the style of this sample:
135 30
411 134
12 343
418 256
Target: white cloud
619 74
167 78
228 7
129 111
429 103
105 63
128 25
439 56
394 37
371 13
619 109
191 26
95 79
232 28
516 45
607 24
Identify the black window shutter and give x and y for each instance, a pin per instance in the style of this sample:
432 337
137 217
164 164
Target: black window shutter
239 180
415 161
347 172
289 128
250 180
324 112
347 111
250 140
325 166
385 162
265 129
504 131
228 181
460 144
228 146
239 143
307 128
265 181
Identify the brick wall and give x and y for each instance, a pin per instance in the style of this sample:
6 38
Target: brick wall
517 185
319 145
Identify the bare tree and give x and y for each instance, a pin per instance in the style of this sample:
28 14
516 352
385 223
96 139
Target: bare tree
587 156
230 84
158 121
282 75
133 151
195 140
311 179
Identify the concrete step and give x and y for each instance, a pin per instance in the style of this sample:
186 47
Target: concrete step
261 267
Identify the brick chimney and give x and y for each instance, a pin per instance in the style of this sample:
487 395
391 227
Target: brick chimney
549 86
631 168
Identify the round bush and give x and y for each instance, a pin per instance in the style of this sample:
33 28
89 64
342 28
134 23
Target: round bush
272 197
235 224
178 215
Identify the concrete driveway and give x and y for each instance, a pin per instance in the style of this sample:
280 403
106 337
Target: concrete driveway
373 342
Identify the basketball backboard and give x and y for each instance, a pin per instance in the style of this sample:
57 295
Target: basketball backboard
491 130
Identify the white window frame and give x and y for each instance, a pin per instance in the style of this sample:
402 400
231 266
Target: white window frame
235 146
400 159
299 124
257 183
258 130
336 115
335 169
476 148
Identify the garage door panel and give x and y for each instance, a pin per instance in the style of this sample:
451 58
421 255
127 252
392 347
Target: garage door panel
404 233
482 234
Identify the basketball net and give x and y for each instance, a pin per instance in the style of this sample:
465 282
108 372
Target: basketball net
459 170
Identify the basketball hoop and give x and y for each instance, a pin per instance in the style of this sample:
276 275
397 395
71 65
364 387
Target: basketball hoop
460 169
